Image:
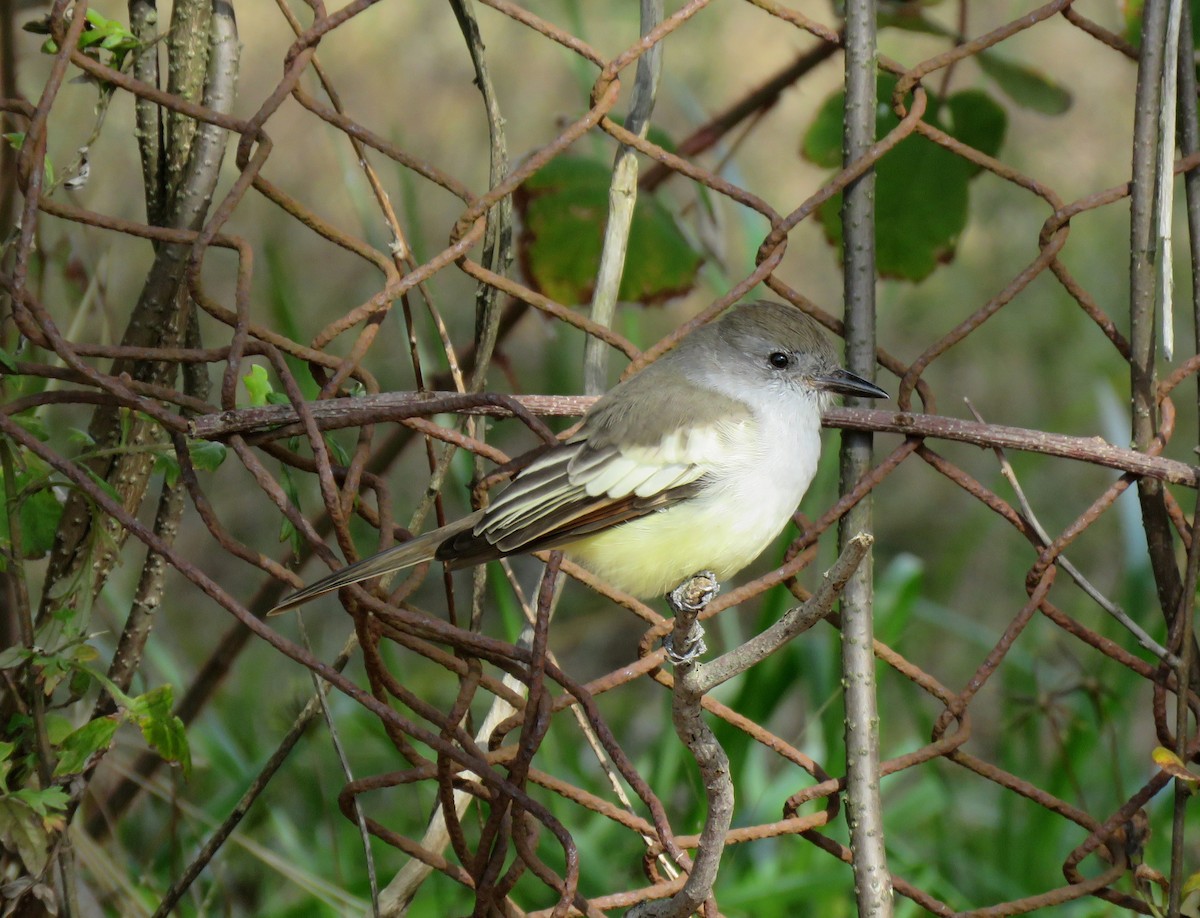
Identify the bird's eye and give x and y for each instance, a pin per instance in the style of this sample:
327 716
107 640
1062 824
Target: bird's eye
779 360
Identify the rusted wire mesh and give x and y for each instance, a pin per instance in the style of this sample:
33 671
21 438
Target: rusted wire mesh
153 389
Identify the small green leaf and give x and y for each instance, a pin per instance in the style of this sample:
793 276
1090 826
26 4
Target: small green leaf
12 657
207 455
564 208
7 360
17 140
44 801
23 833
163 731
258 385
287 532
38 513
1027 87
78 748
166 464
80 438
58 727
32 423
335 449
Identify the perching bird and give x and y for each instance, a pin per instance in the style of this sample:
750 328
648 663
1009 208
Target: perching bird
695 463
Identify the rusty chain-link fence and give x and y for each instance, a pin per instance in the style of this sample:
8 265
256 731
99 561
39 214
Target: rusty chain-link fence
357 235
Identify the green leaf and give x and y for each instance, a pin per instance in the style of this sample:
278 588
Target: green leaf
10 658
340 456
32 423
1131 14
6 751
921 187
7 360
822 143
80 438
258 385
1027 87
167 464
22 832
38 513
163 731
977 120
16 140
287 532
564 208
77 749
207 455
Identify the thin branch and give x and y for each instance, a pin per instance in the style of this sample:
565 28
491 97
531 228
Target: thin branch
336 413
622 197
1084 584
794 622
687 707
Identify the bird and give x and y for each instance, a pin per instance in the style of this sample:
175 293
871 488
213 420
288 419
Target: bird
695 463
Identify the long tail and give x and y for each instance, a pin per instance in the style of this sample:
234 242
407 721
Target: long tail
398 557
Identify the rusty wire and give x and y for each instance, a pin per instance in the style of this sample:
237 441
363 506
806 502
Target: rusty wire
501 770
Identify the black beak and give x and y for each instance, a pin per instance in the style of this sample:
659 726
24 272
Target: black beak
846 383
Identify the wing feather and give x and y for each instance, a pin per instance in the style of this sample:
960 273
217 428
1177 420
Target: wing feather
609 472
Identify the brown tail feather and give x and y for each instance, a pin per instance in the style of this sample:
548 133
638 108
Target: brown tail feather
398 557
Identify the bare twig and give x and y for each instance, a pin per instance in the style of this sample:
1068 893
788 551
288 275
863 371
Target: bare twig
333 414
1099 598
622 197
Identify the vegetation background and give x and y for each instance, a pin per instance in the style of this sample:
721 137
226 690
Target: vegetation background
950 573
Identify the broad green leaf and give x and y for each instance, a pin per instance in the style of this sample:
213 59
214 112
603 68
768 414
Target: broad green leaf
163 731
45 801
207 455
21 831
921 187
564 208
976 119
1027 87
38 513
258 385
78 748
7 360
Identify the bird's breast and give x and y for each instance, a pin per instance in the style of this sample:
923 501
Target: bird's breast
757 471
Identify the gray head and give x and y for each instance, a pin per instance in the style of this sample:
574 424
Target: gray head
787 349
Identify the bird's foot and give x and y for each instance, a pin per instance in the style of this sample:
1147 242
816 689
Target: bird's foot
693 646
696 592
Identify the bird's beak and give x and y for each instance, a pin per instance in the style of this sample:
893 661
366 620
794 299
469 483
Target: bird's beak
846 383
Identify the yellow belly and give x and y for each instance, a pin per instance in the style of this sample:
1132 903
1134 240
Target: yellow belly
651 556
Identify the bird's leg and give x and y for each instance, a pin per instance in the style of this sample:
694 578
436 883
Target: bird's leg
686 601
